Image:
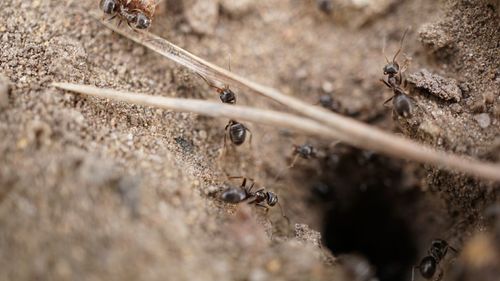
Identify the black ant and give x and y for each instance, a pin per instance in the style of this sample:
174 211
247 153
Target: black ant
392 70
137 13
430 263
237 132
402 104
260 198
225 94
328 102
325 6
305 151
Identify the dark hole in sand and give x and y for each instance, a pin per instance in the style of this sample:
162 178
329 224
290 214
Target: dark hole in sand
365 217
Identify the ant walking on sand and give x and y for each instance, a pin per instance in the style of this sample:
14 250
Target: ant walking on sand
237 133
430 263
305 151
402 104
260 198
137 13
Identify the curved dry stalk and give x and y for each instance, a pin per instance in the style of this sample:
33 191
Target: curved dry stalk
348 130
275 118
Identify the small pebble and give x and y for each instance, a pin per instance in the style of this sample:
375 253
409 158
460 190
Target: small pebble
237 7
483 120
327 87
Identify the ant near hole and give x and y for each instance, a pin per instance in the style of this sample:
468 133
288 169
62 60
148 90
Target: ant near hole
429 264
237 133
305 151
402 103
260 198
137 13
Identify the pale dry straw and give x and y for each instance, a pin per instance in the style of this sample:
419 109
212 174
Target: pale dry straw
339 127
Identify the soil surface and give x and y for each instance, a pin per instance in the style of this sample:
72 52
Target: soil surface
93 189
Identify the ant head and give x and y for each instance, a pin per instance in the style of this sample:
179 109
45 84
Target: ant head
272 198
227 96
438 248
428 267
326 100
305 150
108 6
233 195
391 68
142 21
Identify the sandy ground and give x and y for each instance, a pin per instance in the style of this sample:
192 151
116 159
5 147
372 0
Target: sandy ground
98 190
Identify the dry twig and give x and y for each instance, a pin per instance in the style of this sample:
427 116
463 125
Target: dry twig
345 129
268 117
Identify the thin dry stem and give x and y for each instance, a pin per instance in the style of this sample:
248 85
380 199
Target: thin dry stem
213 109
348 130
275 118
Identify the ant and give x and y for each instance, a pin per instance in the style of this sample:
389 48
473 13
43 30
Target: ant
325 6
402 104
428 264
305 151
237 133
225 94
137 13
328 102
260 198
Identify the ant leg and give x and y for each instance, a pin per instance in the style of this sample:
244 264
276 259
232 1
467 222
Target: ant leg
413 272
440 274
283 213
226 132
263 206
386 83
295 158
251 187
453 249
131 27
243 184
112 17
250 138
388 100
223 152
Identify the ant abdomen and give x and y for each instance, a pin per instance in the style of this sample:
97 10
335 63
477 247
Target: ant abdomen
227 96
234 195
403 105
428 267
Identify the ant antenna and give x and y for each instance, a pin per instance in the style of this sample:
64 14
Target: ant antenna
229 63
400 44
283 214
384 43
